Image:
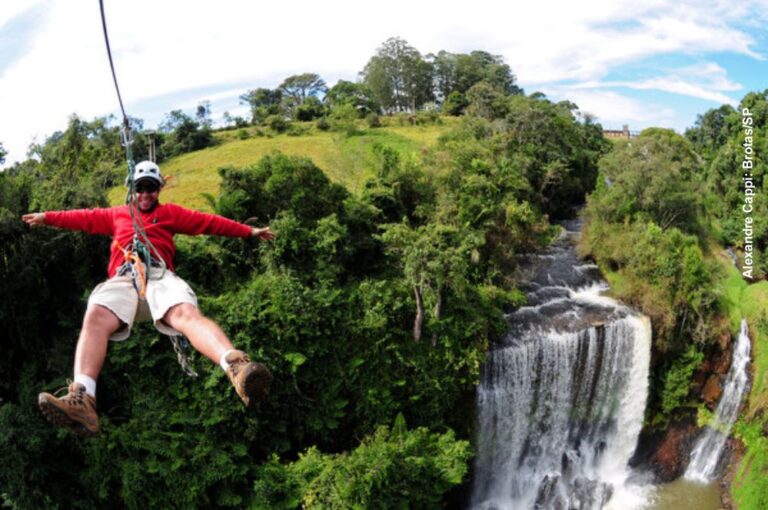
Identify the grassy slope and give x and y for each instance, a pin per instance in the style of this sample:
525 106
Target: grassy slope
346 160
750 488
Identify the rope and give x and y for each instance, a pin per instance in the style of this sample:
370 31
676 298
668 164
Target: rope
142 248
111 63
180 346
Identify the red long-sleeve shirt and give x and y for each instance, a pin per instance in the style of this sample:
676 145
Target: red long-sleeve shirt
160 225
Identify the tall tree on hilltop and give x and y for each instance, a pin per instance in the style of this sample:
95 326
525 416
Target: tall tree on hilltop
398 76
301 86
3 153
460 71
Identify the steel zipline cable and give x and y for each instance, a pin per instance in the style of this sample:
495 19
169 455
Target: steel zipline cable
112 64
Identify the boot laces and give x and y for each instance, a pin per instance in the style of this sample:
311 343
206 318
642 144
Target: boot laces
238 363
75 394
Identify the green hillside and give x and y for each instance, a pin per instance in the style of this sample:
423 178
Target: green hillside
347 160
750 302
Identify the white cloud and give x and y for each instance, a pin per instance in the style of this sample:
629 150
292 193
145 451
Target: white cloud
613 109
12 8
163 47
705 81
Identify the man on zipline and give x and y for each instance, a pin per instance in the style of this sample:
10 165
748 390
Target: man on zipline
135 291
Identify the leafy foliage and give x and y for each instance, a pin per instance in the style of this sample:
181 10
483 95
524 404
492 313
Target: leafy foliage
379 474
398 76
677 379
184 134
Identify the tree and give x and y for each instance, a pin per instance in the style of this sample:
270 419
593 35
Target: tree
301 86
657 176
482 66
203 114
435 258
3 153
183 133
459 72
312 108
398 76
263 103
711 130
455 103
485 100
359 95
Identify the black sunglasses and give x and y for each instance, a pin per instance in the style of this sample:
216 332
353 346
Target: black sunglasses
149 187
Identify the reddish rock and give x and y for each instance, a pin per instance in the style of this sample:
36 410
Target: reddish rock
697 381
724 339
722 363
670 458
712 391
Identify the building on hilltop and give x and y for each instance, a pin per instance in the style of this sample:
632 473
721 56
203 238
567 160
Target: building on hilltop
624 132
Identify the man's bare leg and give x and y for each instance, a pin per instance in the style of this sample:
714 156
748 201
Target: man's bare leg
77 409
98 325
205 335
251 380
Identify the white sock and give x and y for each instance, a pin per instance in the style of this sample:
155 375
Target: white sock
88 382
223 360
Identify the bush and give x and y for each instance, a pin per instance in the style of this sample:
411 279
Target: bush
425 117
343 119
278 123
677 381
390 469
373 120
297 130
455 103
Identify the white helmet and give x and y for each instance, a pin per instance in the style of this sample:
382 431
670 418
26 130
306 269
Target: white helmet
147 170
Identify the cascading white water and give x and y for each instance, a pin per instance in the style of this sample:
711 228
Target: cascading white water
561 402
709 446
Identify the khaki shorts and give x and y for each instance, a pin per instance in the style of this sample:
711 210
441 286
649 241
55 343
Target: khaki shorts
120 296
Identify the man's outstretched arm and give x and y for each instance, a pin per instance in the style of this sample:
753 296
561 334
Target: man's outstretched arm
93 221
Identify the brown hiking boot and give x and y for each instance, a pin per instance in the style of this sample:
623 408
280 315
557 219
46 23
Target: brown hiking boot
76 410
251 380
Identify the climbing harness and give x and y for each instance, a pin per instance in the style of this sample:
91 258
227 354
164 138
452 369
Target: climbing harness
141 255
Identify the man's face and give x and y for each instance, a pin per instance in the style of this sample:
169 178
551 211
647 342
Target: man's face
147 191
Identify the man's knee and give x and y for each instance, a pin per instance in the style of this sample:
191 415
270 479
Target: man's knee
101 317
181 314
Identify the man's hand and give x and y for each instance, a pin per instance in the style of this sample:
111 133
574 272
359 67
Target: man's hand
263 233
34 219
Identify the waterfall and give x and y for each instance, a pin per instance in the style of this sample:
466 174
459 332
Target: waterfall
709 446
561 399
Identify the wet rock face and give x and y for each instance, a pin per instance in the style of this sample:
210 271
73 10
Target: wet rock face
671 458
722 362
666 453
712 391
707 382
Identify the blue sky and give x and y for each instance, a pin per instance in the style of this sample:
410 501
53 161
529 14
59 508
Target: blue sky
653 63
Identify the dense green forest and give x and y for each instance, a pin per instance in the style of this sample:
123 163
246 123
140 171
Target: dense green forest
373 309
